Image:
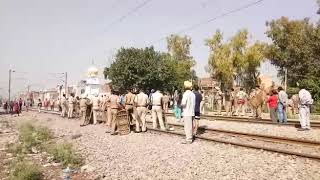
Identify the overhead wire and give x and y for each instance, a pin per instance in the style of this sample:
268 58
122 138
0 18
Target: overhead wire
194 26
135 9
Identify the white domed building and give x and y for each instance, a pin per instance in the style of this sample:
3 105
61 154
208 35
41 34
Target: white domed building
93 85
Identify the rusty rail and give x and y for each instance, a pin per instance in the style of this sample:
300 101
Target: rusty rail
264 137
276 150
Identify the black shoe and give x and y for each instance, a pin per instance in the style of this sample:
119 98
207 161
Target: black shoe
137 131
113 134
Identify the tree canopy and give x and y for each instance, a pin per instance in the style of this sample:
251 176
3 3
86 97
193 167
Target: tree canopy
295 47
146 69
235 59
179 49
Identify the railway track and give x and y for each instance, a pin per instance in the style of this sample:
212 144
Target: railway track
314 124
297 147
290 146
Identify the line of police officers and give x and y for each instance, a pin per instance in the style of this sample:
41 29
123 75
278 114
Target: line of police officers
135 103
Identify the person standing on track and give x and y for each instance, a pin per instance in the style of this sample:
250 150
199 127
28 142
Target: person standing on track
202 103
305 102
71 104
95 108
166 101
177 97
197 109
188 107
273 105
157 112
39 105
241 101
129 100
63 103
114 106
282 105
20 105
84 103
141 101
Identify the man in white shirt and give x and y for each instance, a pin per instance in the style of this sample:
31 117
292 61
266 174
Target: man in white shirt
63 105
141 101
156 100
306 101
188 106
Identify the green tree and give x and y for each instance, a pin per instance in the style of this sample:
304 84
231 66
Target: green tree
295 47
145 68
179 49
235 59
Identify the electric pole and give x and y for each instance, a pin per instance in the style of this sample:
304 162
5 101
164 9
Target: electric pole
285 79
66 83
9 90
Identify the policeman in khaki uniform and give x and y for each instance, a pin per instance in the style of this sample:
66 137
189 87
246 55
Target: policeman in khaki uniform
71 104
95 108
129 101
114 101
141 101
84 103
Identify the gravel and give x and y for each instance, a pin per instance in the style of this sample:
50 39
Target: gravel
161 156
265 129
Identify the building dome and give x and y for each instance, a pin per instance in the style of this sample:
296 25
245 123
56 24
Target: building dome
93 72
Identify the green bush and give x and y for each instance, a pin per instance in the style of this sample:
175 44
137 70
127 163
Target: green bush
22 170
66 154
33 136
15 148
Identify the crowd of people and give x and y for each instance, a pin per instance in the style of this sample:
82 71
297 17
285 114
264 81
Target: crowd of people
187 105
14 107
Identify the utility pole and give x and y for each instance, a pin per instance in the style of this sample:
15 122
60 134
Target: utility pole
28 94
9 84
285 79
9 90
66 83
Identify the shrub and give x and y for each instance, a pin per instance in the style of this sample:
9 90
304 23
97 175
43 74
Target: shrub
66 154
15 148
32 136
22 170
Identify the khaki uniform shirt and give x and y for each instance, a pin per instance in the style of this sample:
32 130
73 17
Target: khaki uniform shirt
95 103
166 98
114 101
141 100
63 101
84 102
71 101
129 98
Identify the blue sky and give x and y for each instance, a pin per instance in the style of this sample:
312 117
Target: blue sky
38 37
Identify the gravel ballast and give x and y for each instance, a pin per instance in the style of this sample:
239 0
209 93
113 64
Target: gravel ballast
161 156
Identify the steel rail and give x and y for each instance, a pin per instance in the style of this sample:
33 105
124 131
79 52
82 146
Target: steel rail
211 139
259 147
251 120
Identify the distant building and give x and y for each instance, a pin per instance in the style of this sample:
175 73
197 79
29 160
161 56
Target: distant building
207 83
